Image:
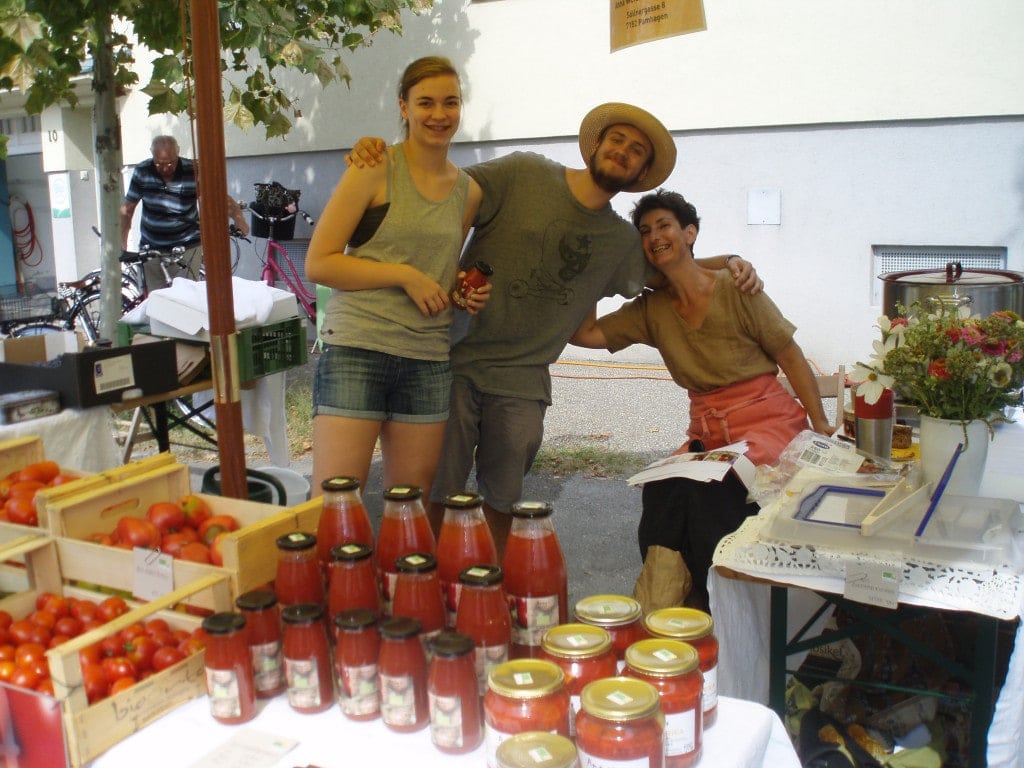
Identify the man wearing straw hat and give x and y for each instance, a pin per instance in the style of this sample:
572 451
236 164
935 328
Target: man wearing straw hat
556 247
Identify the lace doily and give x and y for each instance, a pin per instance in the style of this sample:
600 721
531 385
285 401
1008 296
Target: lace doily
992 591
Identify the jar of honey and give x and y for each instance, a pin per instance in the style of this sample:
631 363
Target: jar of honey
299 578
671 666
622 616
352 579
308 669
263 623
356 649
524 694
535 577
456 717
418 593
537 749
229 677
483 615
620 723
404 704
343 518
464 540
404 529
584 653
697 628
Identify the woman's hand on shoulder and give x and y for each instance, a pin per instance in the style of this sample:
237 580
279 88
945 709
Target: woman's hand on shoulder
368 152
744 275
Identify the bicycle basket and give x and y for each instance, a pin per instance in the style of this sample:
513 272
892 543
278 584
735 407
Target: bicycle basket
275 199
266 224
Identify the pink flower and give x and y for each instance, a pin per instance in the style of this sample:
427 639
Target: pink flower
971 335
937 370
994 348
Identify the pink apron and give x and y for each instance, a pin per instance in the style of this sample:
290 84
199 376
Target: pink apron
759 411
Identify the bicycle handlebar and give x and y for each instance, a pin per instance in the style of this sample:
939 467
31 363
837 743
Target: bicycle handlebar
271 219
148 253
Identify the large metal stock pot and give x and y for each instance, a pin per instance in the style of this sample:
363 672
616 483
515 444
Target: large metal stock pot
984 290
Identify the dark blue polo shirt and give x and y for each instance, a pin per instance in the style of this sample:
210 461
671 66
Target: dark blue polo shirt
170 213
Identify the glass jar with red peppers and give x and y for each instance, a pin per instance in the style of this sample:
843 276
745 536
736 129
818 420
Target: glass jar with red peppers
620 723
524 695
483 615
671 666
263 623
402 666
584 653
535 577
404 529
456 717
356 650
622 616
352 579
343 518
697 628
229 678
308 667
464 540
299 578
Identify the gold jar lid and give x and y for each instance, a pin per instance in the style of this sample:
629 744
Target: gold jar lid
620 699
576 641
679 623
537 749
662 657
526 678
608 610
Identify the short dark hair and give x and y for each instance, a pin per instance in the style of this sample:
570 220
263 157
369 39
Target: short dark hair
663 200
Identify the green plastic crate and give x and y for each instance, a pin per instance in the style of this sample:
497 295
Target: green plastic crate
267 349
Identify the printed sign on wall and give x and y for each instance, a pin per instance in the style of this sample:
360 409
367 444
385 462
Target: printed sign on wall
640 21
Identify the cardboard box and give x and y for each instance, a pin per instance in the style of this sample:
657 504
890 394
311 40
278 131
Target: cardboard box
170 316
250 553
92 376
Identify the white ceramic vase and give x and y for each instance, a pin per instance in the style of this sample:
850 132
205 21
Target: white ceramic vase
939 439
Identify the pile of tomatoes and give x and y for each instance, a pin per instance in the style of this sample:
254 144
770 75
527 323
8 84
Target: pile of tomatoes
18 491
109 666
185 529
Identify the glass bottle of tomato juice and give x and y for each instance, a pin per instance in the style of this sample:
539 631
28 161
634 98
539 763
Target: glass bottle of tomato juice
535 577
343 518
418 593
483 615
299 578
456 716
263 623
464 540
229 678
404 529
402 667
352 579
308 668
356 650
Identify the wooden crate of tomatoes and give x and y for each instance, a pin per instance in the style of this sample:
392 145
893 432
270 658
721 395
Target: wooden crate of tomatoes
157 510
81 669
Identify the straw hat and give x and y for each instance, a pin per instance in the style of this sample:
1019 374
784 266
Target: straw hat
615 113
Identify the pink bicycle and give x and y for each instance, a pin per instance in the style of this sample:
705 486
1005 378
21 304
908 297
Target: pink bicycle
277 264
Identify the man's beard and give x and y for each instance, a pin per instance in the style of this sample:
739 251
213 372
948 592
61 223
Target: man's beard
607 182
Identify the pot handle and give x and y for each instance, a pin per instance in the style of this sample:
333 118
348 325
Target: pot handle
954 271
947 302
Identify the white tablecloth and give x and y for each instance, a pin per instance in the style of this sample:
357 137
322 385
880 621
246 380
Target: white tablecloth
746 735
75 439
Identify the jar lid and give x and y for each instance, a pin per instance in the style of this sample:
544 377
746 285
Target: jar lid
340 483
464 500
482 575
351 551
256 600
354 619
531 509
224 623
451 645
531 749
680 623
620 698
662 657
416 562
296 541
525 678
608 610
403 493
302 613
576 641
400 627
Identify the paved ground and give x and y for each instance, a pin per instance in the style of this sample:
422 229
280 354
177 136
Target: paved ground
620 406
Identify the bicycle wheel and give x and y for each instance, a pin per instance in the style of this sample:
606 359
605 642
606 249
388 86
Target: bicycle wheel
86 317
35 329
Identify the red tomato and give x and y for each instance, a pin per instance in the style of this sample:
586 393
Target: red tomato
216 524
29 654
40 635
130 632
26 677
57 605
56 640
7 670
101 538
46 686
111 645
195 508
84 610
21 631
156 625
94 680
7 652
141 651
5 620
117 667
166 515
172 543
21 510
121 684
40 471
60 480
192 645
43 618
195 551
68 626
112 607
91 654
166 657
216 549
24 488
137 532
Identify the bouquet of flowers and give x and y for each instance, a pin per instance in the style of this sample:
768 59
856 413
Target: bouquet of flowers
949 364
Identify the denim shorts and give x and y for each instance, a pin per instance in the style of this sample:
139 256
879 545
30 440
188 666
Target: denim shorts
364 384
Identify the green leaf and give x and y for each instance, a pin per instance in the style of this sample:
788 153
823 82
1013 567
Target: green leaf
168 69
23 30
236 113
20 70
278 125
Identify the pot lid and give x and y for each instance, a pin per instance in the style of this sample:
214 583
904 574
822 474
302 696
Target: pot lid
954 274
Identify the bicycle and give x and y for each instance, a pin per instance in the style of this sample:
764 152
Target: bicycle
275 253
76 307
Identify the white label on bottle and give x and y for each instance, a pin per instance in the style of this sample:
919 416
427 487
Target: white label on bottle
267 665
680 733
303 683
590 761
532 617
359 689
445 720
709 694
225 699
487 658
398 699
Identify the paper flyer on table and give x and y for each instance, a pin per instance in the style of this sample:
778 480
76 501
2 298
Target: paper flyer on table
704 466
